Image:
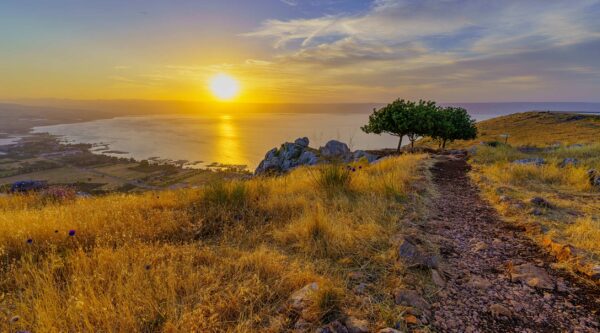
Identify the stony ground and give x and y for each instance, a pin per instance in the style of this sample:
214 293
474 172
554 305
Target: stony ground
497 280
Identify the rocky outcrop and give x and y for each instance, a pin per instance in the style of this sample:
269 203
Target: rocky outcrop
294 154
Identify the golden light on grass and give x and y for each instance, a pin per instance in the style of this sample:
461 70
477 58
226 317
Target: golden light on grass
224 87
222 258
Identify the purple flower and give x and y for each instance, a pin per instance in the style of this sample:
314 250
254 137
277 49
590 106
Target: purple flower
71 232
29 241
147 267
353 169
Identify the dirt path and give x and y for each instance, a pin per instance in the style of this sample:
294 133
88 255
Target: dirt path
481 255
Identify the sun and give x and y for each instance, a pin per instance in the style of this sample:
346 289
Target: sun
224 87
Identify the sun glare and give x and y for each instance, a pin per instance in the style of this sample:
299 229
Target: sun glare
224 87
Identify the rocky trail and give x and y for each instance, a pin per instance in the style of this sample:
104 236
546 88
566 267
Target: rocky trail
496 279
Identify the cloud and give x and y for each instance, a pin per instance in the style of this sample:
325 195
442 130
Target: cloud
290 2
403 44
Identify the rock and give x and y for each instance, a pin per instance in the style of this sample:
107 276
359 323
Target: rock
361 288
334 148
533 276
594 177
479 246
536 212
337 327
595 273
534 161
437 278
302 325
569 161
389 330
411 298
412 254
300 299
541 202
355 325
479 282
357 155
302 142
411 319
308 158
500 310
288 156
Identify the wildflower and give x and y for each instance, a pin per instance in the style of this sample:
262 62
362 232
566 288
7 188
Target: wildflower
29 241
360 166
353 169
147 267
15 319
71 232
55 231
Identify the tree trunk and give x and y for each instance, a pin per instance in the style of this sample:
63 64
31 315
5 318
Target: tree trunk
444 144
400 143
412 145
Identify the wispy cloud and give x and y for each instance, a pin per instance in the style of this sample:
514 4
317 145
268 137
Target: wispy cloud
413 45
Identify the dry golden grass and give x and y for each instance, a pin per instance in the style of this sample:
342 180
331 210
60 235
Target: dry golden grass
539 129
222 258
575 217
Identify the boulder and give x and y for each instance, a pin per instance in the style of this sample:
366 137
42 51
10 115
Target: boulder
302 142
389 330
288 156
301 298
308 158
498 310
355 325
532 161
533 276
357 155
411 298
569 161
334 148
412 253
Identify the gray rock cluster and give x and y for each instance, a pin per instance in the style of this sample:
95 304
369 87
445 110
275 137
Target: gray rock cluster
291 155
569 161
534 161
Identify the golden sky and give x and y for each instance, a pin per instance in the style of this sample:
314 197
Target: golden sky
301 51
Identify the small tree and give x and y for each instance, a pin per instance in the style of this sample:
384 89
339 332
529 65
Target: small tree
452 123
401 118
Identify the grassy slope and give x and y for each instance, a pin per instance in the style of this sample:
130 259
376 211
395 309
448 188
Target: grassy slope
575 219
222 258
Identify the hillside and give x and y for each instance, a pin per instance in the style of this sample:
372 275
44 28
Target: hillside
504 238
226 257
554 155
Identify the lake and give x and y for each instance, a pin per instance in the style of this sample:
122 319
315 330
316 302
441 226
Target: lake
237 139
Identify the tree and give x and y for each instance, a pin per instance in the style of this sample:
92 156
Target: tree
452 123
402 118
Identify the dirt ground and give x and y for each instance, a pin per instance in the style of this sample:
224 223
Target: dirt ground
497 280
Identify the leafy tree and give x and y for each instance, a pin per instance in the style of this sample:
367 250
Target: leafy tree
402 118
452 123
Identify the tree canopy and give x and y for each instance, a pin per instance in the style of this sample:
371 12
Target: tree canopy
420 119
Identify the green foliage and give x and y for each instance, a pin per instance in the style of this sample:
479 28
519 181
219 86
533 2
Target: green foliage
452 123
423 118
401 117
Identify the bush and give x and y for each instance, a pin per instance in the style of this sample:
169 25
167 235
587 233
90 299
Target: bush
334 178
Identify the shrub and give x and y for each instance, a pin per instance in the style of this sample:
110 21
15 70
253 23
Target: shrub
334 178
